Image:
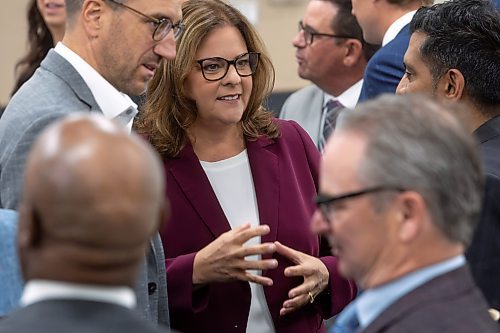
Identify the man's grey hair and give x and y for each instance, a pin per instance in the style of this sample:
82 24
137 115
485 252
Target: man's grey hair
415 143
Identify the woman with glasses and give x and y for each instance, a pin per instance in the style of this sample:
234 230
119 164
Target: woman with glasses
240 253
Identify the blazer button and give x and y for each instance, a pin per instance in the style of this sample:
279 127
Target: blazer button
151 288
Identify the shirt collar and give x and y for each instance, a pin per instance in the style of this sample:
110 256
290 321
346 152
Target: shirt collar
372 302
349 98
111 101
396 27
40 290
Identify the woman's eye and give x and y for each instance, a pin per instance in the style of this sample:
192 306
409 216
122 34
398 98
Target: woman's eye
211 67
242 63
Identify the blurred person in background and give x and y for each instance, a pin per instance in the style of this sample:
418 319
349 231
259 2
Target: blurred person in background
385 22
46 26
332 54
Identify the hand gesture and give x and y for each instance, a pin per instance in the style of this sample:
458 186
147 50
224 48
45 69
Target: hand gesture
224 258
315 273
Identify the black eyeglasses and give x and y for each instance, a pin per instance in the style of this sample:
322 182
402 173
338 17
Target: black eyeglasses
216 68
162 26
309 34
325 203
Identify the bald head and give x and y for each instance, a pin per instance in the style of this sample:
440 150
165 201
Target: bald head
93 196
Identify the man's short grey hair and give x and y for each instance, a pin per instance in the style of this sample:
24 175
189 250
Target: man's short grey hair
418 144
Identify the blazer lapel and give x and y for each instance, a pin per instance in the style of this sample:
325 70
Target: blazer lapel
488 130
265 172
192 180
440 288
60 67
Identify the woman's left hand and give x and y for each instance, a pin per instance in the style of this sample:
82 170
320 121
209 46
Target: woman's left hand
314 272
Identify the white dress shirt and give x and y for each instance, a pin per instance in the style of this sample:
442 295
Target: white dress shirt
396 27
41 290
111 101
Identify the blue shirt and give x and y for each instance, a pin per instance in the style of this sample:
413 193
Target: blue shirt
372 302
11 283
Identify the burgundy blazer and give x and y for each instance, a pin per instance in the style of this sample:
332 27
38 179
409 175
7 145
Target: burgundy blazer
285 175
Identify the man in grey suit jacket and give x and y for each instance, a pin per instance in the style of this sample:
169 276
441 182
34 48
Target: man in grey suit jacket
110 49
84 225
400 229
11 283
331 54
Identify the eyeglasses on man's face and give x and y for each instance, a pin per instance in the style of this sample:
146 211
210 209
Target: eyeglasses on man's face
309 34
216 68
326 204
162 26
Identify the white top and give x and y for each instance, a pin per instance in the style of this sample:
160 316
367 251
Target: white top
396 27
110 100
41 290
232 182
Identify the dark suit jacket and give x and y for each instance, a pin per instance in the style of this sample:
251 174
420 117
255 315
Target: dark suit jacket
449 303
56 90
285 173
484 251
385 69
76 316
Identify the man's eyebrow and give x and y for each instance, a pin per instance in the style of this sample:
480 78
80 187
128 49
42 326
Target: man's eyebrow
309 28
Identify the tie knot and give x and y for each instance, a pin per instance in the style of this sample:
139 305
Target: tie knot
333 104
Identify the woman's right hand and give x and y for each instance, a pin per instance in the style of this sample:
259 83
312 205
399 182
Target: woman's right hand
224 258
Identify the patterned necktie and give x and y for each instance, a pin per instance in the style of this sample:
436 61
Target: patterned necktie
126 116
332 110
347 321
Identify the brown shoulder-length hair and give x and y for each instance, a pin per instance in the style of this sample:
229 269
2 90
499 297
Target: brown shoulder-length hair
168 111
40 42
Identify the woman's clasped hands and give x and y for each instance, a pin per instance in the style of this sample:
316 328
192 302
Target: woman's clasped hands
225 259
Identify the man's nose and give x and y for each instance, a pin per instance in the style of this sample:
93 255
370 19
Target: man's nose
166 48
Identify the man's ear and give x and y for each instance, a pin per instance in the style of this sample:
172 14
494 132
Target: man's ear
29 233
353 52
412 210
92 12
451 85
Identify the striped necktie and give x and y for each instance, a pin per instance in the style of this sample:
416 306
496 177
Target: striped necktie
332 110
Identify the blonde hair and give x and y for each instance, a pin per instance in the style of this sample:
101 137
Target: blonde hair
169 112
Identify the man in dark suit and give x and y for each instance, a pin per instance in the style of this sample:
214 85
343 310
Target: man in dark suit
84 225
332 54
400 228
454 55
385 22
110 50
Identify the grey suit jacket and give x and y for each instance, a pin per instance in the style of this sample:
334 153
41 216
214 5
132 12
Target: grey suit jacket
305 106
76 316
449 303
57 90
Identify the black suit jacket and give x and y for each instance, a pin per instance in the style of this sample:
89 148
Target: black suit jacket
76 316
449 303
484 251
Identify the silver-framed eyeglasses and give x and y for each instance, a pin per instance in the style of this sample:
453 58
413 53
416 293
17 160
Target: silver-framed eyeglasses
162 26
309 34
216 68
326 203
